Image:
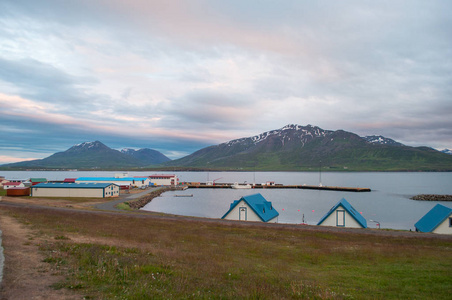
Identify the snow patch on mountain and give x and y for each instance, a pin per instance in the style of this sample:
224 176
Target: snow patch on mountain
381 140
447 151
303 133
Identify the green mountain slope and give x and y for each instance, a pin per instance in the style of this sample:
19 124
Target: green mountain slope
90 155
295 147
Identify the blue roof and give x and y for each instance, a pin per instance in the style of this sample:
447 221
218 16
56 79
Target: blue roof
111 178
350 209
73 185
433 218
259 205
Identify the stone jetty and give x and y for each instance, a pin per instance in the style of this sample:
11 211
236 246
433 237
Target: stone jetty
432 197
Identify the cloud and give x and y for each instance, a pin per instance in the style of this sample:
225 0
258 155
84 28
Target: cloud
181 76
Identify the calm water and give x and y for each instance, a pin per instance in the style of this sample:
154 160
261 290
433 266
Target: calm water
388 202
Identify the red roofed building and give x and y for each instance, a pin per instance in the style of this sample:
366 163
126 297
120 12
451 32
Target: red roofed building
8 185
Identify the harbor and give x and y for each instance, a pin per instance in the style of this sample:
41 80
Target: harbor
203 185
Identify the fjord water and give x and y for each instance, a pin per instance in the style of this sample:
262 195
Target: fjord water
387 203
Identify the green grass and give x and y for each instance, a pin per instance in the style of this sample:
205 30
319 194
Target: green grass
173 259
2 192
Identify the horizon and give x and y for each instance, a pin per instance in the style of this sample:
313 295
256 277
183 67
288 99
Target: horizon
178 77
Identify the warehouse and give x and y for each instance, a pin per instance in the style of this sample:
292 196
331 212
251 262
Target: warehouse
94 190
164 179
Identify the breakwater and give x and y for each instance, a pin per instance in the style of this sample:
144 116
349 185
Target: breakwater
280 186
139 203
432 197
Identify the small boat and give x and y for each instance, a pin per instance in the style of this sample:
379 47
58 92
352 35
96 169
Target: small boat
241 186
184 195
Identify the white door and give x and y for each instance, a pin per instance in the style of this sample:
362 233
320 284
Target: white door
340 217
242 213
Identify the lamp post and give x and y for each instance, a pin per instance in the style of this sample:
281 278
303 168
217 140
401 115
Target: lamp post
378 223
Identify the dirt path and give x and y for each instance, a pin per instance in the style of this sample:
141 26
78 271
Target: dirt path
26 276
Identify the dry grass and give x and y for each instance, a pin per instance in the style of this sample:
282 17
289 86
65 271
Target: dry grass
135 257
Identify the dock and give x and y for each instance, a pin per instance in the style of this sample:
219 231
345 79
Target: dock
281 186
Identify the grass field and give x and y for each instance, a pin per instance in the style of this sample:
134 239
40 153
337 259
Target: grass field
138 257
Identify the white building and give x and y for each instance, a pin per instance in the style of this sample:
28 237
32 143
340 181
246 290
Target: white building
9 184
437 220
252 208
122 181
94 190
343 215
164 179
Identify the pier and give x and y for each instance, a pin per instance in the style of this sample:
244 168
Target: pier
279 186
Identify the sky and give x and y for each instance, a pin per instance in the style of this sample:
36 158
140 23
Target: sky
177 76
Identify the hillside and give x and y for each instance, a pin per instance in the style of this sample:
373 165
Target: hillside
94 155
146 156
296 147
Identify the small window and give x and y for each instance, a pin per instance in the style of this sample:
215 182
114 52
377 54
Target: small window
450 222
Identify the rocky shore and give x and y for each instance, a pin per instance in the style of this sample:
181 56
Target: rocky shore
139 203
432 197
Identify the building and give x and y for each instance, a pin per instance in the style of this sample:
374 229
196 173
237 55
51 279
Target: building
164 179
35 181
9 184
92 190
437 220
2 180
252 208
123 181
18 191
343 215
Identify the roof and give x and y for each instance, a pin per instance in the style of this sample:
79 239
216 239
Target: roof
259 205
350 209
74 185
12 183
38 179
111 179
433 218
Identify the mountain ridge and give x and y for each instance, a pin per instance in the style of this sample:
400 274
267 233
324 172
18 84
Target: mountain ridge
93 155
290 148
295 147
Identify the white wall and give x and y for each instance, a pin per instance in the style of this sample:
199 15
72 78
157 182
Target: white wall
164 181
111 191
350 222
444 228
250 214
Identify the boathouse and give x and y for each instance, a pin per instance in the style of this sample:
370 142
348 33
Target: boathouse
342 214
94 190
252 208
437 220
123 181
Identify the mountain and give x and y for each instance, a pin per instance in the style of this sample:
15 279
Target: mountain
447 151
146 156
88 155
296 147
381 140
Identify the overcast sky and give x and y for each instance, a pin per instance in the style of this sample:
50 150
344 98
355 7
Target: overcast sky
176 76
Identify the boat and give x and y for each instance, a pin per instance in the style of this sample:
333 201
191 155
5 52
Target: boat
184 195
240 186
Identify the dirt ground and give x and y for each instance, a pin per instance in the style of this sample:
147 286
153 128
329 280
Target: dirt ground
25 275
